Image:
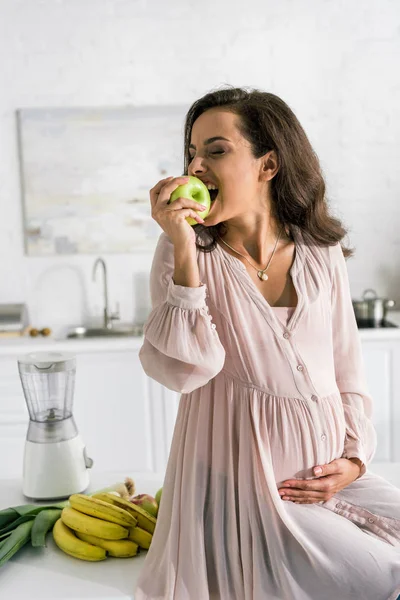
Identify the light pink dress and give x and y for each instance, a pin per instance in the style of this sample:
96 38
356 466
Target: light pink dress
263 400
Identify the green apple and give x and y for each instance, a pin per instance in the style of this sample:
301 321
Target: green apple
158 496
195 190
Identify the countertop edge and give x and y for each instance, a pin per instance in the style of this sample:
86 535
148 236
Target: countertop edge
15 346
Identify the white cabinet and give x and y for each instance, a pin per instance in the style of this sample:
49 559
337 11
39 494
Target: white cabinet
13 419
382 365
122 415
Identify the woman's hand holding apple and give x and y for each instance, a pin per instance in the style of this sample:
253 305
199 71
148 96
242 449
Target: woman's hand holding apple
172 216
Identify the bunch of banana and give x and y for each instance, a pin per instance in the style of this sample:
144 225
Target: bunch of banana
26 523
143 518
142 532
90 529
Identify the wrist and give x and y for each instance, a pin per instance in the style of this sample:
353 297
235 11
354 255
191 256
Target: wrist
356 461
186 270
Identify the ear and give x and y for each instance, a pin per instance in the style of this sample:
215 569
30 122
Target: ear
269 166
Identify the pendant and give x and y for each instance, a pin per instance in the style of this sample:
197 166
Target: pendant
262 275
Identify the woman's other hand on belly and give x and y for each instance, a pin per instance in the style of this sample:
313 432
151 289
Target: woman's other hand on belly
335 476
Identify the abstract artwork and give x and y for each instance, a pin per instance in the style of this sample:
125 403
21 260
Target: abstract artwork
86 175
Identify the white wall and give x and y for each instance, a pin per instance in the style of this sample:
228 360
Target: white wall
334 62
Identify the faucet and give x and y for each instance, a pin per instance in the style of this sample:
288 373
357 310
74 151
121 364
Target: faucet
108 318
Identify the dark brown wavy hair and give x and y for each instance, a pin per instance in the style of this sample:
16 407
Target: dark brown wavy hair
298 188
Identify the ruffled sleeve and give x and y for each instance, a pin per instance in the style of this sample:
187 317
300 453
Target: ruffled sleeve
181 348
360 440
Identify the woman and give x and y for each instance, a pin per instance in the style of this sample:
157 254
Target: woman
252 322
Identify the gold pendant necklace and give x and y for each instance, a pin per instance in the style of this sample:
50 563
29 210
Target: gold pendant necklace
261 274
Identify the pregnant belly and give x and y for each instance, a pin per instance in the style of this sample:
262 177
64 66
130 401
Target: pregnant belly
303 434
227 432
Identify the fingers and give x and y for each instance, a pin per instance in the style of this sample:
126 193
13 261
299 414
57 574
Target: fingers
305 491
162 191
306 501
154 192
186 203
187 212
299 495
159 185
308 495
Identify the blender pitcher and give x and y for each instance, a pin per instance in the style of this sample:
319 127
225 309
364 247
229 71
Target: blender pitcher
55 460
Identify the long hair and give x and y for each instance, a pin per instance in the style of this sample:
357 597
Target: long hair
298 188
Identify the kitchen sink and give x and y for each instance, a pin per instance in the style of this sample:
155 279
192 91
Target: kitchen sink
115 331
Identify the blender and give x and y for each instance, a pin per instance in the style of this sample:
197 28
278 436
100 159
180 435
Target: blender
55 460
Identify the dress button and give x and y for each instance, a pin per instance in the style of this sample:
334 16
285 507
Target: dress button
286 335
314 398
213 326
338 505
323 437
300 367
371 520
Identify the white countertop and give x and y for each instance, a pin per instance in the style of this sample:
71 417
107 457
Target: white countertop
50 574
24 344
15 346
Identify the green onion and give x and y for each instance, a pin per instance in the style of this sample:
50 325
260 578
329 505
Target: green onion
19 537
15 523
44 522
7 516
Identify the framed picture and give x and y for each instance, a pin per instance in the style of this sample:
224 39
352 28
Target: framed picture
86 175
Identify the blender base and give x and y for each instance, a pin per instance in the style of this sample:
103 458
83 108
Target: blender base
54 470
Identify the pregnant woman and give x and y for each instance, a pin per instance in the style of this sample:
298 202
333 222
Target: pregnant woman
267 494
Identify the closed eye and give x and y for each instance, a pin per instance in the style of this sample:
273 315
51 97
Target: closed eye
216 152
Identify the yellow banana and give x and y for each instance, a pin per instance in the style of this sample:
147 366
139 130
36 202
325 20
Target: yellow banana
102 510
92 526
117 548
144 519
67 541
140 536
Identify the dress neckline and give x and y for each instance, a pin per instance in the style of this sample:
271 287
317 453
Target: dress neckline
255 293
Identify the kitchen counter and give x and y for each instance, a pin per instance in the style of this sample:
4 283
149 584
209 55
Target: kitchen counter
21 345
50 574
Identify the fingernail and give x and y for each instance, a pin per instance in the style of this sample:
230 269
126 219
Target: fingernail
318 470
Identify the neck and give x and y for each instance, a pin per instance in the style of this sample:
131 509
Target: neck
254 236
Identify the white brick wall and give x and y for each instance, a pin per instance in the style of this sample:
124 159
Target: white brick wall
336 64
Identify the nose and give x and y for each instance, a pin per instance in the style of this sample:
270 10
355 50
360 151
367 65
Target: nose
197 166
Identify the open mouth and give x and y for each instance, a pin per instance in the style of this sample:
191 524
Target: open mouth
213 194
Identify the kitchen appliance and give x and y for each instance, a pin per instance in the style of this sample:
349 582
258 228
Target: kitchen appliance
55 460
13 320
371 312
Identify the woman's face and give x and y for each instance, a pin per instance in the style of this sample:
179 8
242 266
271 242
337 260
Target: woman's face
222 156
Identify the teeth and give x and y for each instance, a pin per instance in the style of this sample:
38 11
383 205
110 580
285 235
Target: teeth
211 186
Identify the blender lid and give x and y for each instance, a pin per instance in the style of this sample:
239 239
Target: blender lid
55 361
